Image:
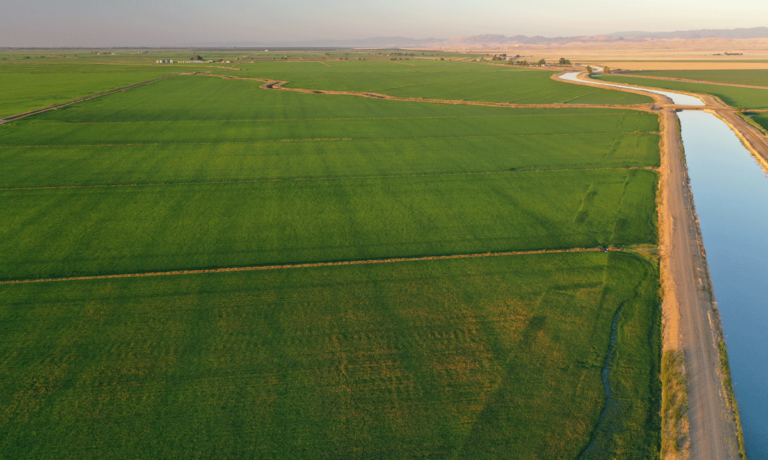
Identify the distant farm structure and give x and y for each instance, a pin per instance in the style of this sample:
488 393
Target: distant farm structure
191 61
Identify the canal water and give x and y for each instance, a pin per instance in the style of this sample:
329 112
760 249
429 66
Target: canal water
730 191
677 98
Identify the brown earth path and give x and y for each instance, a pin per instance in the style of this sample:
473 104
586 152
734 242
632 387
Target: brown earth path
279 85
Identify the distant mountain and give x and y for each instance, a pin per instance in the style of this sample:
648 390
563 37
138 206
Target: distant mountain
498 40
735 34
376 42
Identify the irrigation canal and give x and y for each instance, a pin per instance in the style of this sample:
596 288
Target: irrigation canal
731 195
730 191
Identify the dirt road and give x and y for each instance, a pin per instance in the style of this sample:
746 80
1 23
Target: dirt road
751 137
712 431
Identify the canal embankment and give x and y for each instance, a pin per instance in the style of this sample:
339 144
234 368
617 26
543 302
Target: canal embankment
691 321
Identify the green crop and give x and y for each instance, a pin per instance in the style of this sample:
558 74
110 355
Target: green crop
483 358
751 98
753 77
437 80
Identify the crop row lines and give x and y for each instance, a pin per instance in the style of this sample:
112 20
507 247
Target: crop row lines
311 179
257 120
340 139
314 265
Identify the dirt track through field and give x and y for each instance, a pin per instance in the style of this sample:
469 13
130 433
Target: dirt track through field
313 265
279 85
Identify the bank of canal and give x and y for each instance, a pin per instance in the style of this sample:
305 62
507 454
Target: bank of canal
730 191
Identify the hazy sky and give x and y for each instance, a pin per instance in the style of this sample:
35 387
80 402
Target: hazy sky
180 22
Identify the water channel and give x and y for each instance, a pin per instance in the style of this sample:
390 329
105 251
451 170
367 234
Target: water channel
730 191
677 98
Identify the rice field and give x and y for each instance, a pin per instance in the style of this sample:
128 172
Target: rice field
480 357
436 80
26 86
752 77
476 358
749 98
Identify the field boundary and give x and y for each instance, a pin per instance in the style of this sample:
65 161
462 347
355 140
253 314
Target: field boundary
338 139
266 120
82 99
316 265
312 179
279 85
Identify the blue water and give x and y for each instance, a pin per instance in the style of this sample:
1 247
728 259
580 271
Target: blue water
677 98
730 191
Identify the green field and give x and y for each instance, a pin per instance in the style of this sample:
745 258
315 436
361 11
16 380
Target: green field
151 228
752 77
382 201
34 79
26 86
750 98
480 357
476 358
437 80
761 119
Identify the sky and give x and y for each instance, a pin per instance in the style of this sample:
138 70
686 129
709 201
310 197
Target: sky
92 23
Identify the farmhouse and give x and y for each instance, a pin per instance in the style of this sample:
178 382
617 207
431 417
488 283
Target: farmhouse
164 61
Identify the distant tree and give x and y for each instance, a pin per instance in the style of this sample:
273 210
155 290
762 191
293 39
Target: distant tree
564 61
542 62
197 58
607 70
442 58
589 70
